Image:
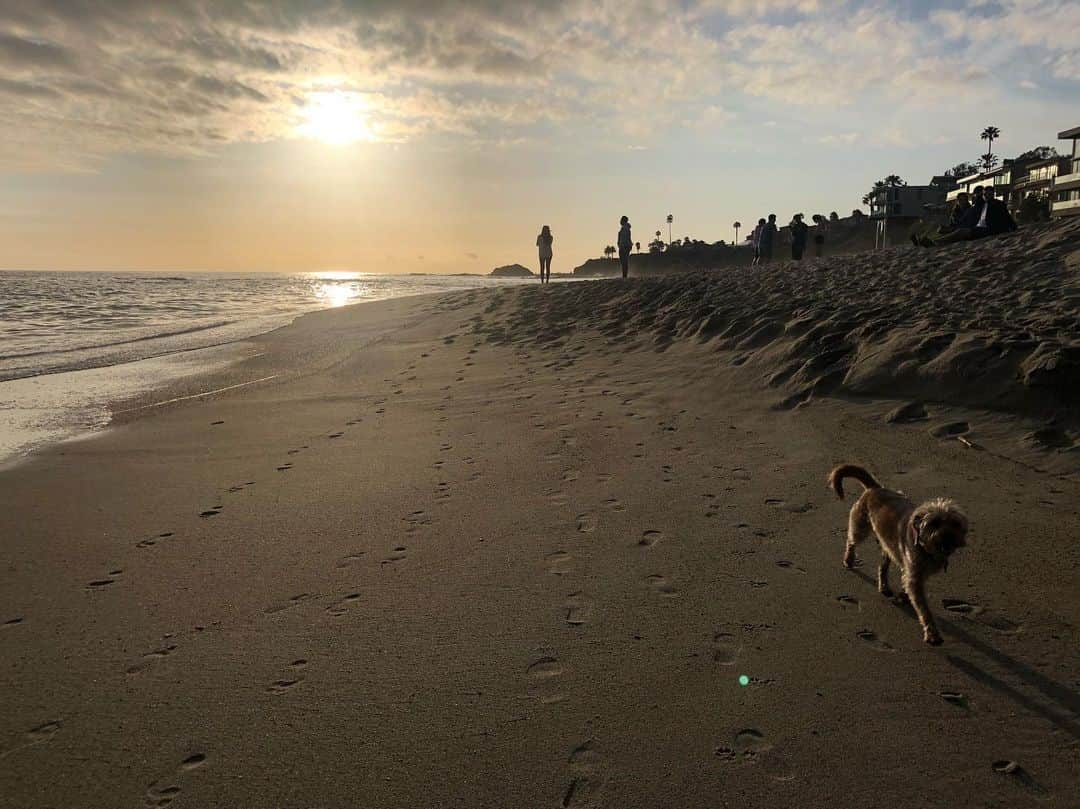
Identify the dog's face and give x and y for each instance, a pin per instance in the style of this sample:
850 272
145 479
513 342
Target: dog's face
939 528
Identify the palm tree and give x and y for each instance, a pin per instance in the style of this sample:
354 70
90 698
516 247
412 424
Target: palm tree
737 226
893 181
990 134
988 161
670 219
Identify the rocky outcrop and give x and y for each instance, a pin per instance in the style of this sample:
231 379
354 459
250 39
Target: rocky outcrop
512 271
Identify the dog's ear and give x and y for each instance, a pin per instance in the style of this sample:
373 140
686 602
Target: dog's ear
916 528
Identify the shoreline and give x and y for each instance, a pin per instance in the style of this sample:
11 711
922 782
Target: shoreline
482 534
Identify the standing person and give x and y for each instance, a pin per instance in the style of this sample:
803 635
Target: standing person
799 232
626 244
819 234
767 239
755 238
543 241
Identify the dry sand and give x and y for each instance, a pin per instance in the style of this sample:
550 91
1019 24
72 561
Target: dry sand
516 549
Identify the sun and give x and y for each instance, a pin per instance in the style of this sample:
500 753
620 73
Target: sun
336 117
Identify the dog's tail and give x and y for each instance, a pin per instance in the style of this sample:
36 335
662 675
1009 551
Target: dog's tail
847 470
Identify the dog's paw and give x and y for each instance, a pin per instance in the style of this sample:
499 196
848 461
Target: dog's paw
886 591
901 599
933 638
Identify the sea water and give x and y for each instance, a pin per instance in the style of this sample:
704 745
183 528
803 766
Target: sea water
72 342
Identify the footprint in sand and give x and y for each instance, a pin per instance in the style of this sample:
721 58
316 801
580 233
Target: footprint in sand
290 681
416 520
210 512
784 563
848 602
650 538
586 523
578 609
442 491
396 554
193 762
44 732
725 649
148 543
661 586
960 606
10 622
952 429
161 796
876 643
571 475
557 562
150 658
544 674
751 746
341 606
284 605
794 508
284 467
350 559
100 584
954 698
335 435
614 504
586 777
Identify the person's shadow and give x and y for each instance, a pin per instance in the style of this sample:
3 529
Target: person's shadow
1062 704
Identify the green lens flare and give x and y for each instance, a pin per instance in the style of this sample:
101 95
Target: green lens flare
744 680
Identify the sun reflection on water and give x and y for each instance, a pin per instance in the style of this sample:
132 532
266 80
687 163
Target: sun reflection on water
338 288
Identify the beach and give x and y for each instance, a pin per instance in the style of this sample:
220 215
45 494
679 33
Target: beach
568 546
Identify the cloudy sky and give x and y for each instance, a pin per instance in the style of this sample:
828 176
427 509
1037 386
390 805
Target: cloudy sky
412 135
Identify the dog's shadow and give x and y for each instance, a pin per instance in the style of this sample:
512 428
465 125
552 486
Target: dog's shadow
1060 695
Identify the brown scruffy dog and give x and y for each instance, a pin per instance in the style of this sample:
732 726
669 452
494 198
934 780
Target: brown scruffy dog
920 539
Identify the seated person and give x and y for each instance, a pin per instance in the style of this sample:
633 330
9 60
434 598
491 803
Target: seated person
923 230
964 222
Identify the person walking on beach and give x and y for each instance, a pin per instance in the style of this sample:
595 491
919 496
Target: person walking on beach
755 239
767 239
799 232
626 245
543 241
820 231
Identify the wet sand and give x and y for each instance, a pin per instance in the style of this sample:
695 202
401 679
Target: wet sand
499 549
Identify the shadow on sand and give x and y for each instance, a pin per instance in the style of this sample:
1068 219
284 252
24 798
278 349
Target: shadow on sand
1059 695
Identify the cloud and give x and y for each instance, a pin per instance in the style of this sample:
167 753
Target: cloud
841 138
85 79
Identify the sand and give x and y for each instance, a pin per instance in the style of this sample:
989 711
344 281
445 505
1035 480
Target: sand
523 548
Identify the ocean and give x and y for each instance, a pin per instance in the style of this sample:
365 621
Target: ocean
71 342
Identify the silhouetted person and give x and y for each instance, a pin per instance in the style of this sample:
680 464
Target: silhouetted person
767 240
755 238
986 217
820 231
543 241
799 231
994 219
626 245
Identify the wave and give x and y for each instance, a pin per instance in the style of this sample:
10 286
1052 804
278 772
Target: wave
115 343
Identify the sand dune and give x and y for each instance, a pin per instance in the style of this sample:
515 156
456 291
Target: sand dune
993 324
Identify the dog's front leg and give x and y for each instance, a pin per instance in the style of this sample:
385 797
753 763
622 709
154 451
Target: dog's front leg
914 587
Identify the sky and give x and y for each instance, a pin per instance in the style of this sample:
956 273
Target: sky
440 135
